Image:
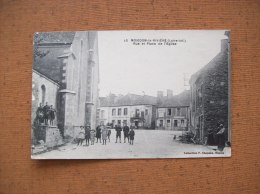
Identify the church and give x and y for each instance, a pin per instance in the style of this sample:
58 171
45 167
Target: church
66 76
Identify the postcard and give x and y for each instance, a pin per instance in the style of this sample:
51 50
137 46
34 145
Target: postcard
131 94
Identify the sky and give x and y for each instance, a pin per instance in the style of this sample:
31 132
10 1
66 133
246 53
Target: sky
145 69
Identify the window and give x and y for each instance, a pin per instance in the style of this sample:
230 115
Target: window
178 111
169 111
119 122
142 114
175 123
168 123
43 93
182 123
119 111
146 111
113 112
125 111
137 113
161 123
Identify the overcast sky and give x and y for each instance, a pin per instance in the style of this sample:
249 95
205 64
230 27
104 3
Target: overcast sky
127 68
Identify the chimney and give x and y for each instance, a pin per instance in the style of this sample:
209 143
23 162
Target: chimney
169 93
225 42
159 94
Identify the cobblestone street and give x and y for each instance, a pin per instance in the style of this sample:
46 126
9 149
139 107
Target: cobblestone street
147 144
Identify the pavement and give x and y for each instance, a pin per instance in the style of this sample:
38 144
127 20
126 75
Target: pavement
147 144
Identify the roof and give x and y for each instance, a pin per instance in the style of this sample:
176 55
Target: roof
127 100
180 100
53 37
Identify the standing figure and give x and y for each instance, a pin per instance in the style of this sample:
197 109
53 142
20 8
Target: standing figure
108 132
92 136
40 114
132 136
87 134
46 112
104 132
118 132
81 135
98 133
221 138
126 133
52 114
210 139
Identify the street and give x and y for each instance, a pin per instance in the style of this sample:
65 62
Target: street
147 144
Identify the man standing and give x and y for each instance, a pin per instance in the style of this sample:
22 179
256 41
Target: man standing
87 134
40 114
118 132
52 114
46 111
98 133
126 133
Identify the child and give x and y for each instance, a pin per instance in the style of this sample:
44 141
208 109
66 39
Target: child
81 135
132 136
92 136
87 134
104 133
108 133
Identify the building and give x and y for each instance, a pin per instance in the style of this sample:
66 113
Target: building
209 94
66 75
131 109
172 112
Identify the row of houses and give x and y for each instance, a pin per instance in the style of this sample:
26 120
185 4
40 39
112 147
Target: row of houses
143 111
204 106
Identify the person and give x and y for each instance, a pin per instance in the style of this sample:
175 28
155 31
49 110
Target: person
81 135
87 134
210 139
126 133
118 132
132 136
104 132
221 138
92 136
52 114
108 132
46 111
40 114
98 133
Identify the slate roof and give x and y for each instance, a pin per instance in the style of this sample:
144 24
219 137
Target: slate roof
127 100
180 100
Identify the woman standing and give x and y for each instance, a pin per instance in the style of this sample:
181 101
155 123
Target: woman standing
104 132
221 138
81 135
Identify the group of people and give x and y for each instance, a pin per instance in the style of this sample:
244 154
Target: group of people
104 132
214 137
45 114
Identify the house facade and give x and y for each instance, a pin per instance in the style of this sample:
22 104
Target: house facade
131 109
209 94
172 112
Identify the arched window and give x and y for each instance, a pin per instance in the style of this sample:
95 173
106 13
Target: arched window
43 93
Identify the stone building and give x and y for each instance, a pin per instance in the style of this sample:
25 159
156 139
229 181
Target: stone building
66 76
131 109
209 94
172 112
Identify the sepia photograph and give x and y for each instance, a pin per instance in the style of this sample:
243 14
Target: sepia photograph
131 94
